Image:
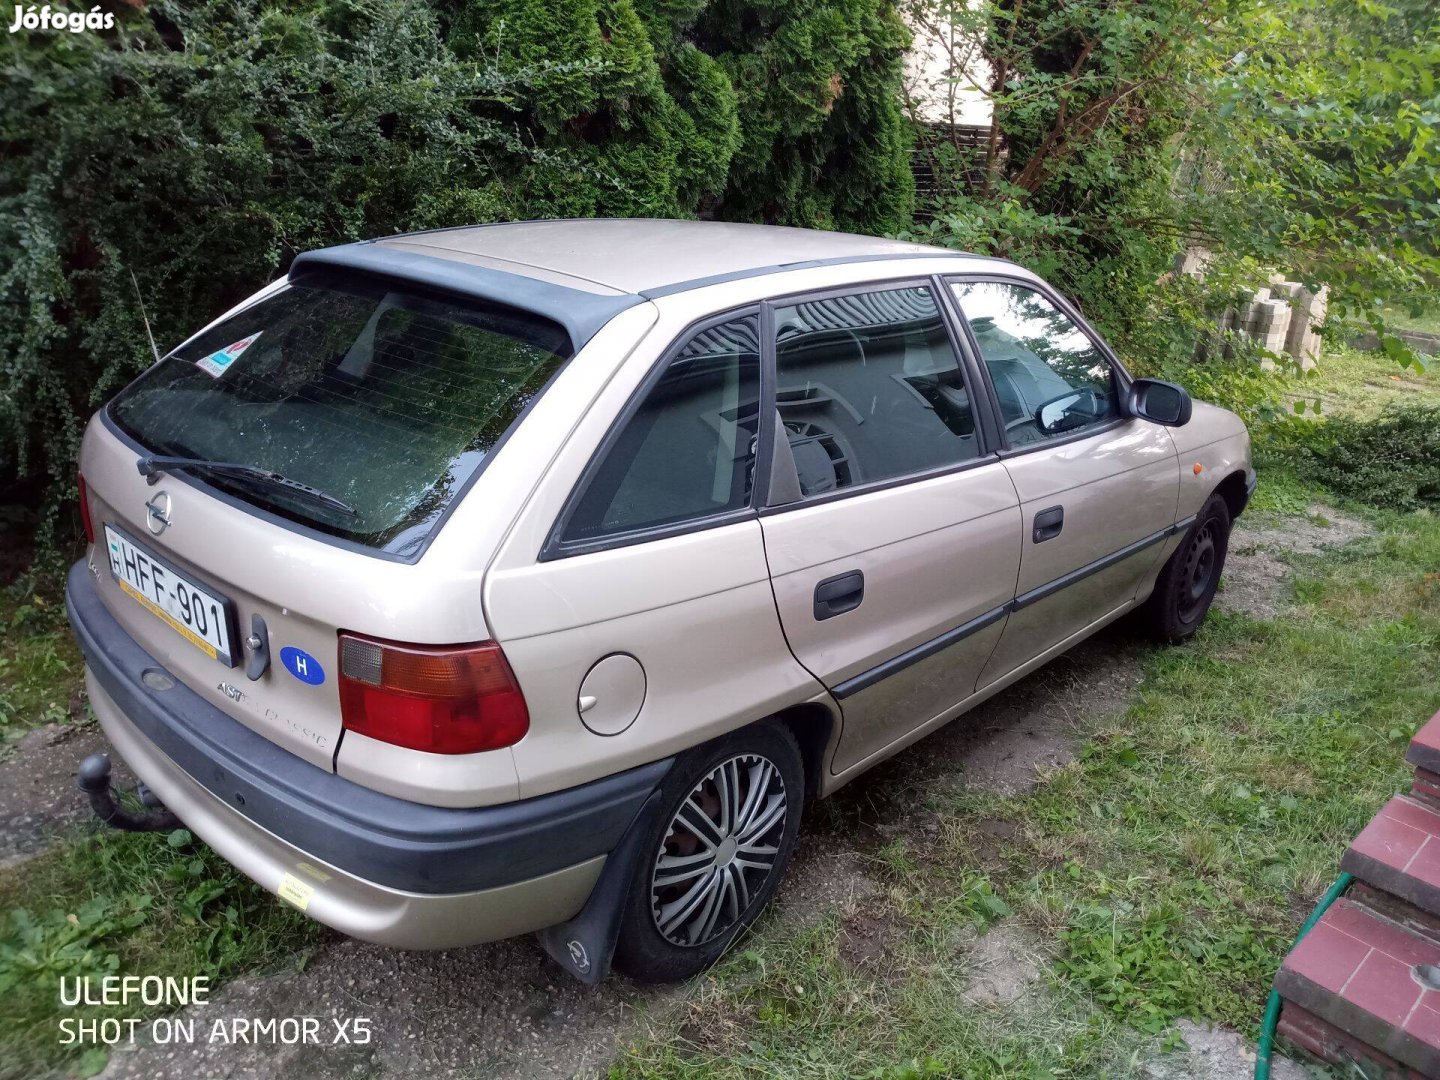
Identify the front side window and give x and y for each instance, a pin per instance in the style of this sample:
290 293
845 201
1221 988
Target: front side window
1050 378
387 400
688 451
870 388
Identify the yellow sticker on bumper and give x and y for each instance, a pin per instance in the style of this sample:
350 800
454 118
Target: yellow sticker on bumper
295 892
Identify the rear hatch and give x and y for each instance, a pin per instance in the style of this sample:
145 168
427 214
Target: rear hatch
377 404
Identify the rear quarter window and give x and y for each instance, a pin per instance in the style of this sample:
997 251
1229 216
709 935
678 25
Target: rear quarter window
388 399
688 451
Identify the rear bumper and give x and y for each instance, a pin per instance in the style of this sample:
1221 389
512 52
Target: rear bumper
368 864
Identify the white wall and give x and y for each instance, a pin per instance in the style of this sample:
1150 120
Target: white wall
944 73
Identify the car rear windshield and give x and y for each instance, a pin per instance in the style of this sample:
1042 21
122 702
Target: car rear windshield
387 399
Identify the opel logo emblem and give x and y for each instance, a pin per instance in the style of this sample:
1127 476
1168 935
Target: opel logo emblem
157 513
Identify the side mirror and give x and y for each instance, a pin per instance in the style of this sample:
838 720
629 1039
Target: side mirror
1160 402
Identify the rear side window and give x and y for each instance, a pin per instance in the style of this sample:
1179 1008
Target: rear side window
386 399
688 451
1050 378
870 388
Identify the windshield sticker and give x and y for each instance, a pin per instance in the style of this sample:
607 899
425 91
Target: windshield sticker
217 363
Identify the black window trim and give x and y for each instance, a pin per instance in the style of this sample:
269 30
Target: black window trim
980 404
1122 376
556 547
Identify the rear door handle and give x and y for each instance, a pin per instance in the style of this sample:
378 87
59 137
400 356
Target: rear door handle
1048 524
839 594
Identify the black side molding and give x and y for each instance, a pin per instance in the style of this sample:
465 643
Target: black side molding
1064 581
920 652
895 664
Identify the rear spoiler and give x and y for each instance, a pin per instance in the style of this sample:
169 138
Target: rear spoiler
580 313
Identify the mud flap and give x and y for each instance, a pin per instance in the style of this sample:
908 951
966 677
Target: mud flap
585 945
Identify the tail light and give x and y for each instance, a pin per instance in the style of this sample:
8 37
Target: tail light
445 700
85 509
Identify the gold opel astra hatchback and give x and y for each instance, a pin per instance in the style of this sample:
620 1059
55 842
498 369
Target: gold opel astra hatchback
531 577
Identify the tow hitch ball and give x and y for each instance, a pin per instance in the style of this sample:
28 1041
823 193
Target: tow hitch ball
93 778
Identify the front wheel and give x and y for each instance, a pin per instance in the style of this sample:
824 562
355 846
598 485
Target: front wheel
730 812
1188 581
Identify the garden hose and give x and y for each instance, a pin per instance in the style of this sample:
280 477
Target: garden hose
1272 1007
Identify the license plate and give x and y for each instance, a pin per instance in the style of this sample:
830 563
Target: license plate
200 616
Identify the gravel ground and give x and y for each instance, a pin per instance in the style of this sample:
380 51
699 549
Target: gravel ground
1256 579
1216 1053
38 797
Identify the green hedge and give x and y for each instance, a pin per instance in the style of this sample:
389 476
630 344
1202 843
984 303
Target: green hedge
1391 460
200 145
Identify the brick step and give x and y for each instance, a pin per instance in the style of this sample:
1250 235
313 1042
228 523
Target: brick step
1399 853
1425 788
1424 752
1370 978
1396 910
1327 1042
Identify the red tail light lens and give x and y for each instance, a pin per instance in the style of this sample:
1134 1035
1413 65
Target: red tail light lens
445 700
85 509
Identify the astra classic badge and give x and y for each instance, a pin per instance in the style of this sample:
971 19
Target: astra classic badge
157 513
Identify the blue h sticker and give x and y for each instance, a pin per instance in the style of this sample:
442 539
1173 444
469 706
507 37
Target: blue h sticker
302 665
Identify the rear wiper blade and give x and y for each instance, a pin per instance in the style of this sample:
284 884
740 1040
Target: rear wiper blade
151 464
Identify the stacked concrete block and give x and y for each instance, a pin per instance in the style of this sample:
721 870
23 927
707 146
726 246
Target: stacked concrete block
1302 340
1267 322
1283 318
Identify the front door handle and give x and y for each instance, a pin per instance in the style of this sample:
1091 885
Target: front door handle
1048 524
839 594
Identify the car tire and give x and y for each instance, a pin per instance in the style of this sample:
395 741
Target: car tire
714 856
1187 583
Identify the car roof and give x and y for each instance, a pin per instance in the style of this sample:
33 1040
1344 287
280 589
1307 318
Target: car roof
582 272
644 255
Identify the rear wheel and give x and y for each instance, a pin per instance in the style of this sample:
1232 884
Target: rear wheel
730 812
1187 583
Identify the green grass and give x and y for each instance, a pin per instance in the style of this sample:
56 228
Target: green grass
1361 384
1422 314
116 903
40 666
795 1007
1204 823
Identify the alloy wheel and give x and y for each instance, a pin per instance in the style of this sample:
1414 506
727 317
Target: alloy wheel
719 850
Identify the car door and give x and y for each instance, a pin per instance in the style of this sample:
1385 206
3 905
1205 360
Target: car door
1097 489
891 527
647 624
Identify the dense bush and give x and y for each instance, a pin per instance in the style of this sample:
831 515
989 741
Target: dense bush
1391 460
1262 135
201 144
824 139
